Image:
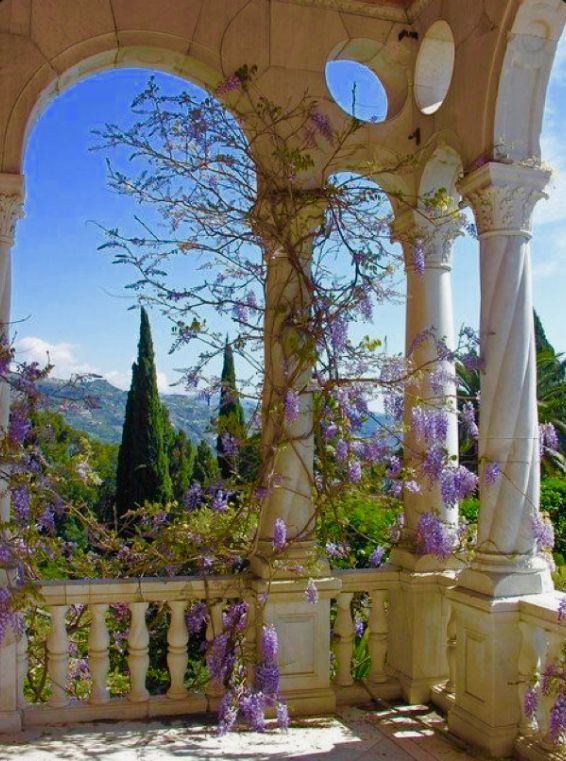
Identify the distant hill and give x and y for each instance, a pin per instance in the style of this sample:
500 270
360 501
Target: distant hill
103 418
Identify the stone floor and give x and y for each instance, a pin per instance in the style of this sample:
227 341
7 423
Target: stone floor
380 733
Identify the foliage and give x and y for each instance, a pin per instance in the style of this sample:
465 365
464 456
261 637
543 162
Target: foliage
143 473
230 421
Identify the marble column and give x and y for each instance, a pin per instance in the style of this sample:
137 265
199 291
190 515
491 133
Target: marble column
429 323
418 611
503 197
287 443
11 209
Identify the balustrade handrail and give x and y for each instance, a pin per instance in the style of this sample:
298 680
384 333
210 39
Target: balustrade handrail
367 579
146 589
542 611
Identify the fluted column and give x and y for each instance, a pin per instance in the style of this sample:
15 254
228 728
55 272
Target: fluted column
429 324
288 440
503 197
11 209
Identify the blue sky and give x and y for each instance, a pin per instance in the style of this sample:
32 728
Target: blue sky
69 299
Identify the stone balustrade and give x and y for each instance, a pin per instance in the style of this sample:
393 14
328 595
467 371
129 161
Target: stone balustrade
369 590
177 594
542 640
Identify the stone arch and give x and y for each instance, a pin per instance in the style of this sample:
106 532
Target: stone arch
39 91
524 77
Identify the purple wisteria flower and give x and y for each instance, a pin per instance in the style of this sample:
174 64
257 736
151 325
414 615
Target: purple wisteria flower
434 537
229 445
419 258
429 425
530 702
253 710
220 501
193 497
235 618
543 532
21 503
548 438
311 592
359 626
376 557
456 484
279 534
338 334
341 450
322 125
354 471
292 406
267 671
337 549
469 420
562 610
558 718
492 473
230 84
196 617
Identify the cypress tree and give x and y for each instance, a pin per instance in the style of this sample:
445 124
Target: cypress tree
143 472
181 463
205 469
542 343
230 415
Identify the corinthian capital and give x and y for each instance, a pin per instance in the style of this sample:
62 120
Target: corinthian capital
11 205
503 197
433 231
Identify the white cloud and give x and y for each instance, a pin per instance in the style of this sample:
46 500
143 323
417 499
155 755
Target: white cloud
63 357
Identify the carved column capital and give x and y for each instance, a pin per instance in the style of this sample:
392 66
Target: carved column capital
11 205
503 197
435 232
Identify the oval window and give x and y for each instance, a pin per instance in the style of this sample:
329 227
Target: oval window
357 90
434 67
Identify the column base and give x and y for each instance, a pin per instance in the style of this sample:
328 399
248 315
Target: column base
486 710
303 631
300 559
407 559
497 741
418 616
504 576
10 722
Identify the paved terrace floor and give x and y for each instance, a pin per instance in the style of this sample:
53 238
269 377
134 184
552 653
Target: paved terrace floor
376 733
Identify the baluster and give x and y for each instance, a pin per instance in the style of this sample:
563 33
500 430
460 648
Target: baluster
344 645
58 655
527 665
138 647
213 629
553 642
21 666
98 658
250 637
378 629
451 651
177 656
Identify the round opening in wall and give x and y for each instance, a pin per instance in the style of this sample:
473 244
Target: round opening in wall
357 90
434 67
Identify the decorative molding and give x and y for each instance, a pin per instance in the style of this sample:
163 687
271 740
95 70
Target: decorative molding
11 205
436 236
11 209
503 197
374 10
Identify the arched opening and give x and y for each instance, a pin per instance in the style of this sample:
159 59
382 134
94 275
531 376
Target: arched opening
357 90
434 67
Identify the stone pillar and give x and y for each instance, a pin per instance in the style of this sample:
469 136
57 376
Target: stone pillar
418 610
429 320
288 444
486 708
11 198
503 197
288 228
